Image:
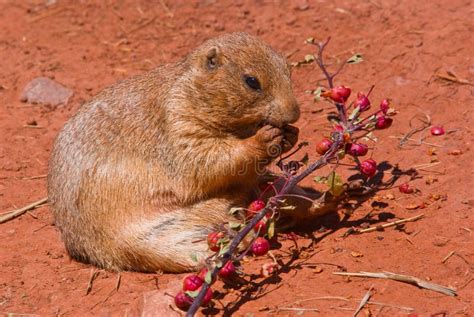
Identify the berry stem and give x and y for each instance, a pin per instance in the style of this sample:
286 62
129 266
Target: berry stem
272 205
341 109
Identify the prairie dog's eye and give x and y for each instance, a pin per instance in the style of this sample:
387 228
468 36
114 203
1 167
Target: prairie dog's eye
252 82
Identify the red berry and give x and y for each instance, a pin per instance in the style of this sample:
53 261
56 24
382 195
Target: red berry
357 149
383 122
192 282
405 188
323 146
368 167
260 246
183 301
437 130
338 94
227 270
362 102
207 297
256 205
213 239
341 93
385 105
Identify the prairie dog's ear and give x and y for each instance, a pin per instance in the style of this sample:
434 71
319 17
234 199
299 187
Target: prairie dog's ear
213 58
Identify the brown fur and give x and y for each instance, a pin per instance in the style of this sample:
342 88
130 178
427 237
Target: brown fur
152 164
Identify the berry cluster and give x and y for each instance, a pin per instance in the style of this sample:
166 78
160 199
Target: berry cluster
349 125
259 224
217 242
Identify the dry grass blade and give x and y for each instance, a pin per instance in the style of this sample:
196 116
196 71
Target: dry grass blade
417 141
119 279
295 309
425 124
454 79
364 301
144 24
94 275
321 298
35 177
409 309
406 279
18 212
390 224
448 256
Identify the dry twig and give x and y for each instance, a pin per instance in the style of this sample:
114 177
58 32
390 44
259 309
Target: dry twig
294 309
405 279
453 78
18 212
426 123
387 225
448 256
35 177
364 301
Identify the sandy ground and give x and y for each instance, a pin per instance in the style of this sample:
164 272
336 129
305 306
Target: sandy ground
407 46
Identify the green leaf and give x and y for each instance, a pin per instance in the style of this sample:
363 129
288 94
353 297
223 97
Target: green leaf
235 225
320 179
192 294
354 114
336 186
223 250
223 241
208 277
355 59
271 229
317 93
235 210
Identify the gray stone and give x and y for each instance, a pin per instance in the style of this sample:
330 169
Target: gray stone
46 91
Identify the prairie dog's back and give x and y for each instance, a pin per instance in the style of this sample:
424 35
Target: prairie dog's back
153 163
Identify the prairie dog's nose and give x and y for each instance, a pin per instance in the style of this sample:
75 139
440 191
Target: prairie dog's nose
284 111
291 110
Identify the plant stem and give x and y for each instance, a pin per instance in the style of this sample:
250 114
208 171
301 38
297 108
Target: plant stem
272 204
290 183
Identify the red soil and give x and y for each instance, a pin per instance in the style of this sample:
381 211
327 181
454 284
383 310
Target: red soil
88 45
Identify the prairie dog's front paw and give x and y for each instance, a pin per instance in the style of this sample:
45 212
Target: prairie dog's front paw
270 141
290 137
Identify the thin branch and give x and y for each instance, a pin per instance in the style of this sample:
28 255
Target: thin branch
273 203
320 62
